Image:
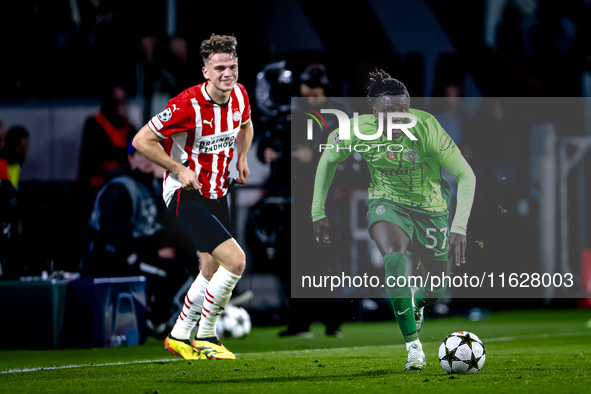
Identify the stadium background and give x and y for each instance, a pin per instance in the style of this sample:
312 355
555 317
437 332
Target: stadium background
59 56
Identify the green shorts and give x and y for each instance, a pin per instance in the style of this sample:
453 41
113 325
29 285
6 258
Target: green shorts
428 231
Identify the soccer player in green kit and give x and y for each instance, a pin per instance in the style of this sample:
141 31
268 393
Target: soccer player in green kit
407 200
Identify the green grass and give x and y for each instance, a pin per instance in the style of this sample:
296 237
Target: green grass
527 351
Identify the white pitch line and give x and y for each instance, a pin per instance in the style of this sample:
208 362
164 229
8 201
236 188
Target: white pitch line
500 339
89 365
564 334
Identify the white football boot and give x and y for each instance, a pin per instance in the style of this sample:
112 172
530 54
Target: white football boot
416 356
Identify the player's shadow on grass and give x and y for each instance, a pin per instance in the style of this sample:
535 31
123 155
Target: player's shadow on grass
292 379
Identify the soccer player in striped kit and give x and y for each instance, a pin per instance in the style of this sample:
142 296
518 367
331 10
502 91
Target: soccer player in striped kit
205 123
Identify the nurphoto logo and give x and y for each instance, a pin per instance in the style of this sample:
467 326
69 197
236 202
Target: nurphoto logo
344 122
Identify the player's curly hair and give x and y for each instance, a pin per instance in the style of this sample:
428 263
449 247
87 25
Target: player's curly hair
218 44
382 84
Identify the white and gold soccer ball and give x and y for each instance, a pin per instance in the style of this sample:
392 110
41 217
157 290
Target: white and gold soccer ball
234 322
462 352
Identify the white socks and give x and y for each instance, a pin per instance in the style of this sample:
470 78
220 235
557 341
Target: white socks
208 299
191 310
217 295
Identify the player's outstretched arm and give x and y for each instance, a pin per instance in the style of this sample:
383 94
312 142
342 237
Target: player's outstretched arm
243 142
147 143
462 172
324 175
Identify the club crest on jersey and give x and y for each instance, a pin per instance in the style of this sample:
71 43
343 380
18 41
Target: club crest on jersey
380 210
236 116
391 155
165 115
411 155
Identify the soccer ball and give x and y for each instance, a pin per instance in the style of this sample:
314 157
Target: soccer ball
234 322
462 352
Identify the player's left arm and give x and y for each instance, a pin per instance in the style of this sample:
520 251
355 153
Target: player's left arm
462 172
442 148
243 142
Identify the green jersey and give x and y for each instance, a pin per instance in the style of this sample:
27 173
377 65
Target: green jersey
402 170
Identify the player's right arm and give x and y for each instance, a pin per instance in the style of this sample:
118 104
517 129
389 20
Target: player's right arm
148 144
338 152
176 118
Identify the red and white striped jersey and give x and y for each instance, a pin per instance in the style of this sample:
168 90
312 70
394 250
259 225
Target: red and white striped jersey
203 134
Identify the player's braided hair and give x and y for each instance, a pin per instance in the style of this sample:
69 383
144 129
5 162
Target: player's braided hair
382 84
218 44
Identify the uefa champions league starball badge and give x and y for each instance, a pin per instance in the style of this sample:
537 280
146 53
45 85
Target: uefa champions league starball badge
411 155
165 115
380 210
335 138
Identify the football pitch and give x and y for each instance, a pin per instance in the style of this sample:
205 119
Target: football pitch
541 351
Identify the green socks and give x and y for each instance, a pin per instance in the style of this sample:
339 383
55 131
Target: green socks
400 296
424 296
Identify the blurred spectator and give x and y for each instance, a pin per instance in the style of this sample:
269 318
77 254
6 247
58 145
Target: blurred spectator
13 154
268 224
314 86
273 93
178 70
9 222
131 236
167 69
150 68
104 144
